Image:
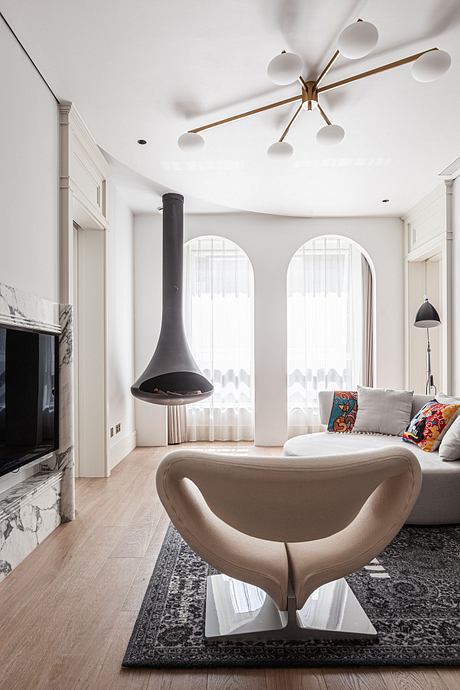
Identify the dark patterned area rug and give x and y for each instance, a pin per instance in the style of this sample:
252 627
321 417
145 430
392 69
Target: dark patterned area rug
411 596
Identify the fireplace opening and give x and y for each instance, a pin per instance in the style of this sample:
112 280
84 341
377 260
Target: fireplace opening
174 387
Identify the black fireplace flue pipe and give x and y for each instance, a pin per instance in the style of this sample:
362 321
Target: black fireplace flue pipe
172 376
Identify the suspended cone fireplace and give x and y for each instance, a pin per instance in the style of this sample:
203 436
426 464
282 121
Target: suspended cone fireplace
172 376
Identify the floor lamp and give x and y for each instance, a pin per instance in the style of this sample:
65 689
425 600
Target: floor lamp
427 317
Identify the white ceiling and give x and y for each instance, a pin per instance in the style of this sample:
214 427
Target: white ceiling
143 194
153 69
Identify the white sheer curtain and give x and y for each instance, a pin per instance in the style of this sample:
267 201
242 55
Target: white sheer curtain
324 326
219 324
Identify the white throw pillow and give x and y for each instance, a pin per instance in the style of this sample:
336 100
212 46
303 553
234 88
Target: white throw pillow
447 399
450 445
383 411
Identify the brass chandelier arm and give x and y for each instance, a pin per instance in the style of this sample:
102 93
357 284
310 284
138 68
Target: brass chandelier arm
328 67
330 64
290 123
277 104
376 70
303 82
322 89
323 115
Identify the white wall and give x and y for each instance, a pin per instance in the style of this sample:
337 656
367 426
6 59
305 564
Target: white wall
150 419
28 174
120 325
28 185
423 277
270 242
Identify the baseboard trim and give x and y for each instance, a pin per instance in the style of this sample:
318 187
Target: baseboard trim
121 449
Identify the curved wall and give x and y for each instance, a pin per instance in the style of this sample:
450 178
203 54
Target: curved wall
270 242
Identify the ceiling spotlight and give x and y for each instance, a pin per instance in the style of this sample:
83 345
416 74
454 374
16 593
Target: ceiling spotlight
330 135
285 68
357 40
160 210
431 65
142 142
385 201
280 150
190 141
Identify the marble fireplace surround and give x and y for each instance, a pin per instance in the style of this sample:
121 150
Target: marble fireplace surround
34 506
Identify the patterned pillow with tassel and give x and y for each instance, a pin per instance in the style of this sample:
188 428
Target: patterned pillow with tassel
343 412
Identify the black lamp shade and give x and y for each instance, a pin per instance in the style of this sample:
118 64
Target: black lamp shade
427 316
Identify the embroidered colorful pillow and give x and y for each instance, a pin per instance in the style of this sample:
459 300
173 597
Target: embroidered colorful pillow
343 412
430 424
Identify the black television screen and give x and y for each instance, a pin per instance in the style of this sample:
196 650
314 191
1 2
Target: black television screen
29 413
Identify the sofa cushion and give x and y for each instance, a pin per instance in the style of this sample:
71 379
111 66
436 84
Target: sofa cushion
438 501
383 411
447 399
429 425
343 411
325 399
418 401
450 445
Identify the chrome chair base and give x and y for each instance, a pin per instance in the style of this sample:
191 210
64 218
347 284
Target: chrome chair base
236 610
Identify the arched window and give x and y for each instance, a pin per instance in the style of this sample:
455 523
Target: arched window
330 326
219 324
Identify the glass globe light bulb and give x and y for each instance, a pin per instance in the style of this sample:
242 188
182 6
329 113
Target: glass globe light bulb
357 40
284 68
280 150
190 141
430 66
330 135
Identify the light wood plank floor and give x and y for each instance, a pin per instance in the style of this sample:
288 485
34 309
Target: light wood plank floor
66 613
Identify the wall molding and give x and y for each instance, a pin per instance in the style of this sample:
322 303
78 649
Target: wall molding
83 173
121 449
429 233
83 177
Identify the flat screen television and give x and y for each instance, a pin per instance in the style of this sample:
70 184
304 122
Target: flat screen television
29 385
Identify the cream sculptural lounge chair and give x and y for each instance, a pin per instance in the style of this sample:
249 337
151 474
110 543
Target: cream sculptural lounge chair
284 532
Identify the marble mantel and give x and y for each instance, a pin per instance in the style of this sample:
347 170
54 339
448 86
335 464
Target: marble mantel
34 506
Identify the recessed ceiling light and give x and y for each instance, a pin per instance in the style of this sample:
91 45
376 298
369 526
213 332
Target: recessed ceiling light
142 142
385 201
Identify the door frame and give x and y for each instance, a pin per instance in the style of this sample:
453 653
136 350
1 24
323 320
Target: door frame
83 189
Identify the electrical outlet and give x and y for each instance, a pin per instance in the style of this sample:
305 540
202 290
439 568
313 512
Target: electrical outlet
118 428
111 432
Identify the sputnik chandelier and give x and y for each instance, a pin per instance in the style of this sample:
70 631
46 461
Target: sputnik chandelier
355 41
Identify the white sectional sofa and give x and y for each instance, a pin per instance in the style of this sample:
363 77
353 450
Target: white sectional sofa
439 500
